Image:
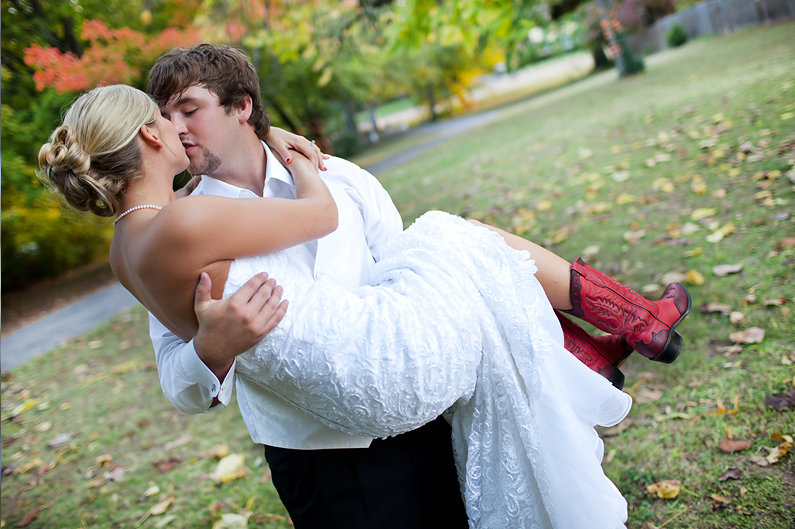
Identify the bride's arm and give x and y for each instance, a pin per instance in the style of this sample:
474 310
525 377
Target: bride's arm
211 228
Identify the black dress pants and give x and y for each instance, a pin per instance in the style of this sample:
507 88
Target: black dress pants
404 482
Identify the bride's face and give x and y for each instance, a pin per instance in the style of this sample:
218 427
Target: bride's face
173 143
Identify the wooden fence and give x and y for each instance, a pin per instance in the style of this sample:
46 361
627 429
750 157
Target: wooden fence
712 17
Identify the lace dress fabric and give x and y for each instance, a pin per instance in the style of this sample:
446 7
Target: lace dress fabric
454 322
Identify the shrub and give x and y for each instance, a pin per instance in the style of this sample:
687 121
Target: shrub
40 240
676 36
631 65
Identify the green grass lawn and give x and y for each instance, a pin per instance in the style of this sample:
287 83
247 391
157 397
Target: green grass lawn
662 176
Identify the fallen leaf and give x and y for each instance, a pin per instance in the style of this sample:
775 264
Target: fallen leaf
95 344
778 452
728 446
675 415
114 475
164 465
161 507
61 439
780 437
730 473
620 176
632 237
703 213
165 520
751 335
673 277
773 302
151 491
694 277
736 317
666 489
651 288
648 525
726 269
267 476
618 428
230 468
720 498
644 396
29 517
786 242
25 406
43 427
714 306
103 460
715 237
124 367
760 460
232 520
182 441
216 452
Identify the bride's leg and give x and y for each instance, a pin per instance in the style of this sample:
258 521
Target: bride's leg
608 305
554 272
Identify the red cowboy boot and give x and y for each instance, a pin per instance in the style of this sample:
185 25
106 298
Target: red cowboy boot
603 354
648 326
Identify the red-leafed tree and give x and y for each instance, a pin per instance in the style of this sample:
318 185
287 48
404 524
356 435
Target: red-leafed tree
111 56
52 49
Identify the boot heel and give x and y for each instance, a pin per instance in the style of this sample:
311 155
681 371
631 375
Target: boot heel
672 349
617 378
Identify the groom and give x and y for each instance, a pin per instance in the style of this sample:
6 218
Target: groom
325 478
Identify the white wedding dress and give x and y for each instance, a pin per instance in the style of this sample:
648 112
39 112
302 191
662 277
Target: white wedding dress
453 321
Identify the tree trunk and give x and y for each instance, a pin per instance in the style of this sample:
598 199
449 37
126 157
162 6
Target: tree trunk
432 101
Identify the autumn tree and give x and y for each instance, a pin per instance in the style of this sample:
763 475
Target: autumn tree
51 50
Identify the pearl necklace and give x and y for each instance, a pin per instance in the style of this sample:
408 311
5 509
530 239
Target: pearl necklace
145 206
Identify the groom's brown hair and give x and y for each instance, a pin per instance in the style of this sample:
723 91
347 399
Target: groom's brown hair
223 70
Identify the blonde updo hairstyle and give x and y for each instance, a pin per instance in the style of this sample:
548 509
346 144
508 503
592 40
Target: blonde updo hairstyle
93 156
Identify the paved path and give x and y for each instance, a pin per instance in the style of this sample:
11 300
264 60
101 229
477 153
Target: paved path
64 324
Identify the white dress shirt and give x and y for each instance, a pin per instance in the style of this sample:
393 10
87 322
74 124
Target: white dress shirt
367 218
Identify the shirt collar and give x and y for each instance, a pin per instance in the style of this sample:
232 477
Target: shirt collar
274 171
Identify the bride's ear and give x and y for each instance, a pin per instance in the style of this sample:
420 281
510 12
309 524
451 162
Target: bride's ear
151 136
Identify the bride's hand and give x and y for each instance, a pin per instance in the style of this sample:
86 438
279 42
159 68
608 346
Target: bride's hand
281 141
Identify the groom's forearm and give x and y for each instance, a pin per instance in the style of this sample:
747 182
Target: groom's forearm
184 377
212 354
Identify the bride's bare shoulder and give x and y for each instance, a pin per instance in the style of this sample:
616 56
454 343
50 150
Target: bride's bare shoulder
187 217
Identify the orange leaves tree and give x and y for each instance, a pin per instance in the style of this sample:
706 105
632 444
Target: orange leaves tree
112 56
51 50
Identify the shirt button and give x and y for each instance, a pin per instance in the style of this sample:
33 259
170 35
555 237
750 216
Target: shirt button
212 388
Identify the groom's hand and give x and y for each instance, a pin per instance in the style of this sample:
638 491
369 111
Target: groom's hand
234 325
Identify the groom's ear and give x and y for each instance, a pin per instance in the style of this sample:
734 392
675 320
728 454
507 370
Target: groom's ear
244 110
151 136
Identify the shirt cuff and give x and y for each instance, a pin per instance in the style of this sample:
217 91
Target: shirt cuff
198 371
225 391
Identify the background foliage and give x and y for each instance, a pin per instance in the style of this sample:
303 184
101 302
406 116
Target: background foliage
320 62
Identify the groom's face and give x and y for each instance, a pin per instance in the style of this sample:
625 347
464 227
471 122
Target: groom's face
205 129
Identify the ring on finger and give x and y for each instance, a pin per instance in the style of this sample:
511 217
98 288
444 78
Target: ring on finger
312 142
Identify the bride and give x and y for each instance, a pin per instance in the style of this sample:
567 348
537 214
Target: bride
453 321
